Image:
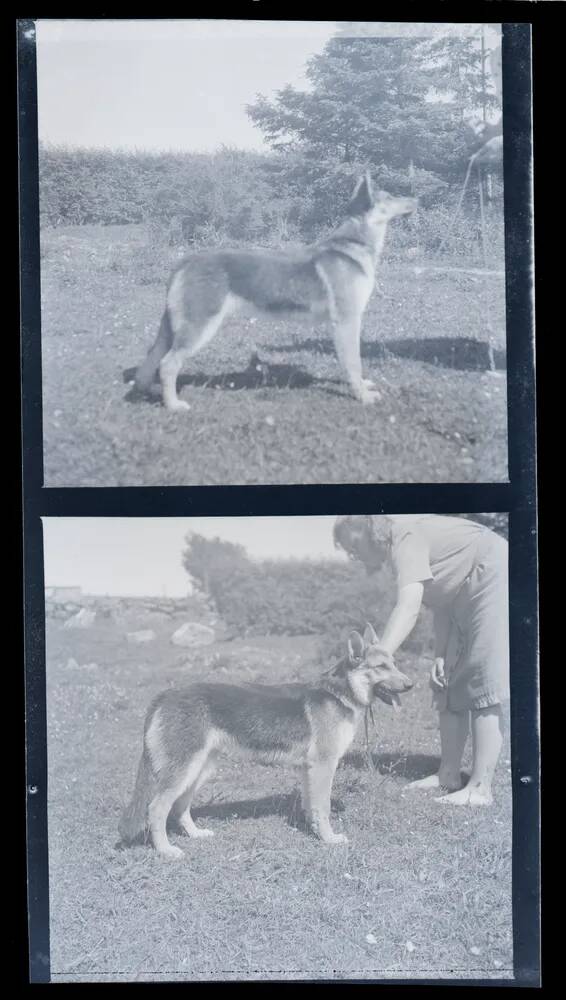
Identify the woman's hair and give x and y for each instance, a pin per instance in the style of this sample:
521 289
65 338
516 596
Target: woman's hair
367 528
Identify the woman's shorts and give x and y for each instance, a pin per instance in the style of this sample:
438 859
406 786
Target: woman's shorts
476 663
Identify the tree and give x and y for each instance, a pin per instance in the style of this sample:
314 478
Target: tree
207 559
393 102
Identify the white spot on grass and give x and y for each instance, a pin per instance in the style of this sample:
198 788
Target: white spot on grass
270 421
409 946
371 939
474 950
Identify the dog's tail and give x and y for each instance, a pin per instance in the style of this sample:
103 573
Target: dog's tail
133 822
147 371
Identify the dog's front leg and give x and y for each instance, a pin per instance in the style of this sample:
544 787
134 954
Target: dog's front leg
317 786
347 333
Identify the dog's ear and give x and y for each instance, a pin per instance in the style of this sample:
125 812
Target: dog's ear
362 198
370 636
355 648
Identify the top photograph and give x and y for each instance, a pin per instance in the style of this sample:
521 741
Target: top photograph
271 252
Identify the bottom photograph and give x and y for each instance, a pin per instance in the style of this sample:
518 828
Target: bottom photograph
278 748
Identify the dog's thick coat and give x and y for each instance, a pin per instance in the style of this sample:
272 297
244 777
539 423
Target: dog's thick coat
186 730
330 281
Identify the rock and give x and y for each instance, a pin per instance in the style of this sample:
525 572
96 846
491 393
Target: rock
193 634
144 635
82 619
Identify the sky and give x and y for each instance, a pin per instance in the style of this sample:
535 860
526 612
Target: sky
142 556
167 85
172 84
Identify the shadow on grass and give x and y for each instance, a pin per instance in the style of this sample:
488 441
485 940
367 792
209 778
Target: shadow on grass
411 767
288 807
458 353
258 375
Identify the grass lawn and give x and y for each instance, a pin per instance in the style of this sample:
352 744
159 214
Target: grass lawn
421 890
442 418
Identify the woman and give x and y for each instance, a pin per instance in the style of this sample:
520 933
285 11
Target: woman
458 568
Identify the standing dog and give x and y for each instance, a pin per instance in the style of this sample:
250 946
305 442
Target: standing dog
186 730
331 280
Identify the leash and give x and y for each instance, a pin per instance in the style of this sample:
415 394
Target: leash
369 715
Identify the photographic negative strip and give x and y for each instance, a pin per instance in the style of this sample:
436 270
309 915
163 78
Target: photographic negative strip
281 697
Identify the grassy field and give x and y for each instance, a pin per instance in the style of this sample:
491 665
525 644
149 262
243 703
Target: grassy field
442 418
421 890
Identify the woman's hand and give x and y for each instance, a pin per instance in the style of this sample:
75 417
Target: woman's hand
437 676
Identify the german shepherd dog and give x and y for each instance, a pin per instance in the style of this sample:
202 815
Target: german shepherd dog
329 281
314 724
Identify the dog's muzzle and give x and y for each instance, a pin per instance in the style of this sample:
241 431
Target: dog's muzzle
390 697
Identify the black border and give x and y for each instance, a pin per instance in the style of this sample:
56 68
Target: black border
518 497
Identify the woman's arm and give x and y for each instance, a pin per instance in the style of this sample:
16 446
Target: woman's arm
403 618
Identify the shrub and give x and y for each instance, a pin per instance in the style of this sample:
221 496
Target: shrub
241 197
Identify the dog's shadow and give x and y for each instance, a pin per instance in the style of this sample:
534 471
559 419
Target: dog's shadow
458 353
287 807
410 766
455 353
258 375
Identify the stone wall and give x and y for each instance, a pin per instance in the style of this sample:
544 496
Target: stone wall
118 608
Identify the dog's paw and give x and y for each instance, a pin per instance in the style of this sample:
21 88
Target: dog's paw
368 396
171 853
179 406
336 838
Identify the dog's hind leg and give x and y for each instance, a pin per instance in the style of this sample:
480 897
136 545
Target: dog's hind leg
170 789
188 341
148 369
305 793
168 372
183 804
347 333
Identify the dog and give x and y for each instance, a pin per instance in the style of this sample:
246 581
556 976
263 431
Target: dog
312 724
330 281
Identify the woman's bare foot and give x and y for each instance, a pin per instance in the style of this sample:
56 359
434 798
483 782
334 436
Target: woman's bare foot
467 797
433 781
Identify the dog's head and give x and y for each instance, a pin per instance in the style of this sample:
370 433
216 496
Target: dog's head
379 207
372 672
